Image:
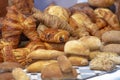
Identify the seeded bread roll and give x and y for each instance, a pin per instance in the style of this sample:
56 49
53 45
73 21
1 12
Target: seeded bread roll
102 64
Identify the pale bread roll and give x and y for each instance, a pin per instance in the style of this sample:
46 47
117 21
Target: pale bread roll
76 47
91 42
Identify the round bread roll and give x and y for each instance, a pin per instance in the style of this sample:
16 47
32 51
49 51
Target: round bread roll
76 47
101 3
58 11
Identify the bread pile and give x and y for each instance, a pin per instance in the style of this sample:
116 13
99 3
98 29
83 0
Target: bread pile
56 39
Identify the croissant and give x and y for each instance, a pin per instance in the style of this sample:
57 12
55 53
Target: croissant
109 17
52 21
85 8
84 22
25 6
15 23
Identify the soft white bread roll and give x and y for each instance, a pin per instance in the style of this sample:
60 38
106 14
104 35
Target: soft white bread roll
91 42
19 74
44 54
76 47
65 64
39 65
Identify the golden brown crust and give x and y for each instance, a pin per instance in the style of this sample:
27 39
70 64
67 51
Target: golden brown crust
25 6
54 35
78 61
55 46
109 17
39 65
44 54
56 22
34 45
101 3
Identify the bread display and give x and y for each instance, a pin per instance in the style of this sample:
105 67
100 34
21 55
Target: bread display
58 41
6 76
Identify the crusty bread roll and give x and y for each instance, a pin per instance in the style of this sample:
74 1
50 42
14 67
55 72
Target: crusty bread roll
91 42
76 47
111 37
52 71
19 74
101 3
111 48
39 65
44 54
58 11
65 64
103 64
78 61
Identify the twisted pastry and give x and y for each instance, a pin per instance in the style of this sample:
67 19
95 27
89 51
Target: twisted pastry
14 24
52 21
